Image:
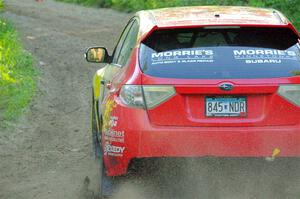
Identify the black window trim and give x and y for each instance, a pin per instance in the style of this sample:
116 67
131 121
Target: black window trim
130 22
114 52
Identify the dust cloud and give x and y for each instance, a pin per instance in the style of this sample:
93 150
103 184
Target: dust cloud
209 178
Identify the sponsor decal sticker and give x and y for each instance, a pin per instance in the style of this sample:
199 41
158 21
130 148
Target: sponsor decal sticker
264 56
114 136
112 150
113 122
182 56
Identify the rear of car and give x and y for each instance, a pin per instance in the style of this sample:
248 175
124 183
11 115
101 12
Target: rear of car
216 90
223 76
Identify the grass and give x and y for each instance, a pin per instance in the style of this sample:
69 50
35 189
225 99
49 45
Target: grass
290 8
17 75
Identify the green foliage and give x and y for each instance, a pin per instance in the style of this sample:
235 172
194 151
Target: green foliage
17 75
1 4
290 8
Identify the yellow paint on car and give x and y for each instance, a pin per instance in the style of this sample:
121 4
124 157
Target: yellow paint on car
97 82
109 106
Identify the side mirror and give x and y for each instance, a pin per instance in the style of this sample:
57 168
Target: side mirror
97 55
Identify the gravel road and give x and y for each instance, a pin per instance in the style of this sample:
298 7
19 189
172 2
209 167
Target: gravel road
48 153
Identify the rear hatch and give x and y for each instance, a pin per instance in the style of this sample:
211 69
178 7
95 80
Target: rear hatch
228 76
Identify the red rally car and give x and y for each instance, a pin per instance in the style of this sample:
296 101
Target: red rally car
195 82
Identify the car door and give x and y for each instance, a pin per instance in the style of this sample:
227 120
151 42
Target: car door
121 54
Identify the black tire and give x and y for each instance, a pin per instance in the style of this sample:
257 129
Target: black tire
105 182
95 135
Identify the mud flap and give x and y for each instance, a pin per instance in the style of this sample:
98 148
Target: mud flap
106 185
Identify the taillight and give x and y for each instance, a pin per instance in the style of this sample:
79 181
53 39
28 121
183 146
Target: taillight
132 95
145 96
155 95
291 93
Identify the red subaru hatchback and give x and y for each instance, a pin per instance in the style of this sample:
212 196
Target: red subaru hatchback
198 81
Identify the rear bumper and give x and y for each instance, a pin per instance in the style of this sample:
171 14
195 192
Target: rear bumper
222 142
143 140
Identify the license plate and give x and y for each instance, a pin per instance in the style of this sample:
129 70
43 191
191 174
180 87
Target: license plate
226 106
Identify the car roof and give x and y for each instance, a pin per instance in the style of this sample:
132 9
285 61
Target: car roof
209 15
206 15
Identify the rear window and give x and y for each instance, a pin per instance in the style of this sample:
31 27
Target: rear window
221 53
